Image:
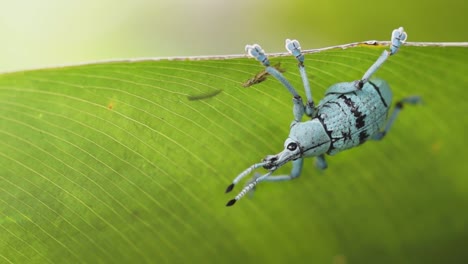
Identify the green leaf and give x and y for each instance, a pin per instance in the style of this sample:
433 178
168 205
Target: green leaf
128 162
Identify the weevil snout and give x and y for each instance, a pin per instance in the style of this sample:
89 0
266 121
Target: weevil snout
292 151
271 162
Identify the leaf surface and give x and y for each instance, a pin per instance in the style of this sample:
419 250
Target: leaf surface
128 162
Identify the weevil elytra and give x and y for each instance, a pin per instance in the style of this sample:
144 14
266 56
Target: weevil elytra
350 114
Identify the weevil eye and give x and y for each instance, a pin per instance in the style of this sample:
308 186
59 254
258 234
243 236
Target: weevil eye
292 146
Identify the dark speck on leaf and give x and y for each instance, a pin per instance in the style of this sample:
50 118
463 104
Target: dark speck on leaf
203 96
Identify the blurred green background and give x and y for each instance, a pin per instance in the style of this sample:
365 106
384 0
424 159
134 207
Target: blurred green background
421 224
51 32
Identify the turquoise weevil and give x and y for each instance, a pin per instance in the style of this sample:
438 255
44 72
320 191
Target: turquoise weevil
350 114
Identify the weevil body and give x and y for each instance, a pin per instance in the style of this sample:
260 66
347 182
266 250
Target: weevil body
349 114
349 119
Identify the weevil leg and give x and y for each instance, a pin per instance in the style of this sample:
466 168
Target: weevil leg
257 52
320 162
399 37
294 48
398 107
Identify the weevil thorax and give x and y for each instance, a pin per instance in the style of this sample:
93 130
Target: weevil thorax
310 136
305 139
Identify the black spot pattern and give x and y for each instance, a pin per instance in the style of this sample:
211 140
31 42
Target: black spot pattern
346 135
360 117
329 132
363 137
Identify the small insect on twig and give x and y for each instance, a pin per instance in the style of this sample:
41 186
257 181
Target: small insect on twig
261 76
203 95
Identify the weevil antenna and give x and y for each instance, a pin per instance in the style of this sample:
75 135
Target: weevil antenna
247 188
243 174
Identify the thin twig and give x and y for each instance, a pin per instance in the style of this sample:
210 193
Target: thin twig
237 56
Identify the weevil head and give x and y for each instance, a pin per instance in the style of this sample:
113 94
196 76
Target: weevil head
292 151
305 139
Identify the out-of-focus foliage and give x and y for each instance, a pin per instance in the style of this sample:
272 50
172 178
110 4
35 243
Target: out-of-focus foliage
50 32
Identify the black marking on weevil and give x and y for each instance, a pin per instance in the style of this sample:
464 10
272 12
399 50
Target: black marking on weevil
312 106
399 105
359 84
316 146
347 100
328 105
378 91
271 161
363 136
346 135
329 132
360 118
339 106
330 149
